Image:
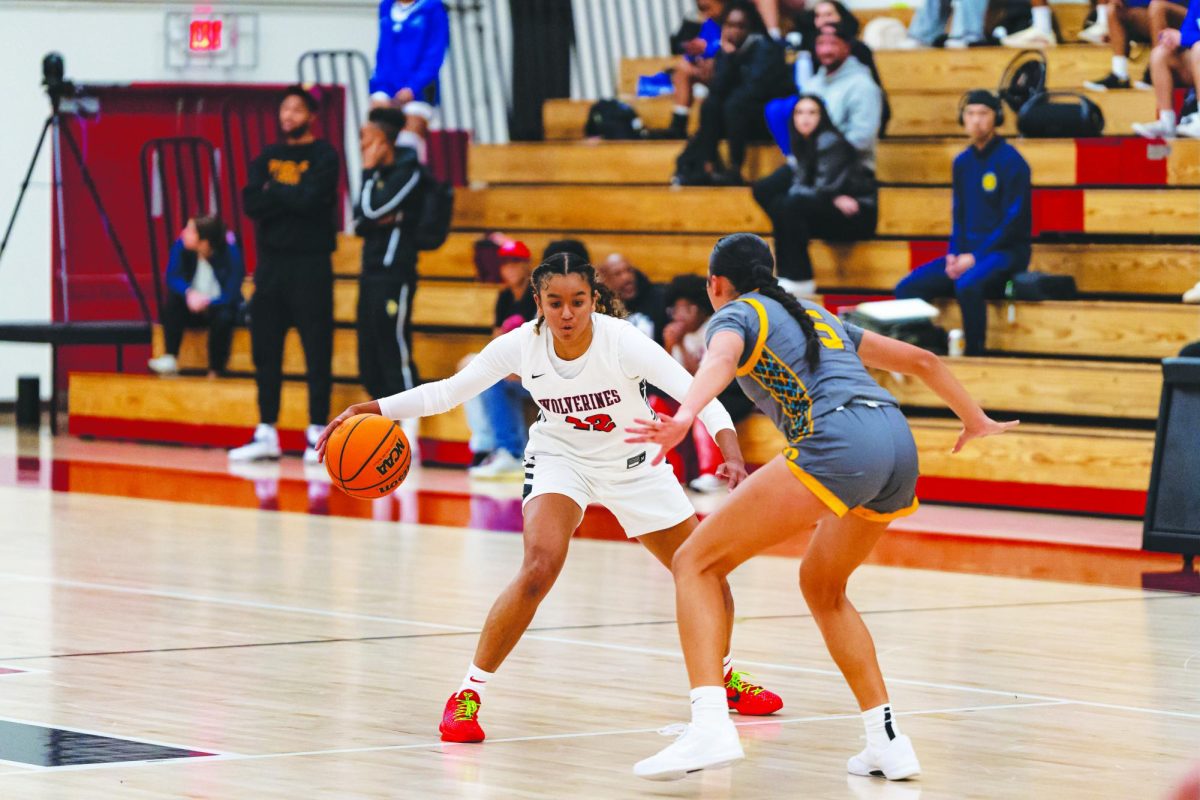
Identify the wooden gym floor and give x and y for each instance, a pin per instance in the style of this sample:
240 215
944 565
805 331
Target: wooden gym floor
169 633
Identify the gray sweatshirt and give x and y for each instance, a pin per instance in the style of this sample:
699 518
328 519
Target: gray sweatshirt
855 104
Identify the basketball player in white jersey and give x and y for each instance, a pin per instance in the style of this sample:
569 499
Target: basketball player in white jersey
587 370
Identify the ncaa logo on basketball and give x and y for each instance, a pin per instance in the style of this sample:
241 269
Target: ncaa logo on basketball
989 181
388 461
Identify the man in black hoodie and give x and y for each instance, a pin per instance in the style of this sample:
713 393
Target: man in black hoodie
749 71
384 217
291 194
642 299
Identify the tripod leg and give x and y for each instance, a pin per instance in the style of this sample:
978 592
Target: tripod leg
37 150
108 228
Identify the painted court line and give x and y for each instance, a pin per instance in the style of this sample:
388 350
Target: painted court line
520 739
675 654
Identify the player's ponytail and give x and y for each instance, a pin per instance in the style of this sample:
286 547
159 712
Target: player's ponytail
565 263
746 260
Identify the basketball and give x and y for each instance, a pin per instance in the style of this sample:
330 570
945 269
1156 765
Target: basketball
368 456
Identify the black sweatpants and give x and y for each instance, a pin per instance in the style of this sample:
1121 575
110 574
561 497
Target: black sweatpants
218 319
795 218
292 289
385 302
737 117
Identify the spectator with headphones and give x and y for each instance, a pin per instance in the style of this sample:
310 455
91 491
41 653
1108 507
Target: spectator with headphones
990 238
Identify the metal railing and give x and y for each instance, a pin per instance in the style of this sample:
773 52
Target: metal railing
181 179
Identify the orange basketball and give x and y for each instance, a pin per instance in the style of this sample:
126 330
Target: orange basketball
368 456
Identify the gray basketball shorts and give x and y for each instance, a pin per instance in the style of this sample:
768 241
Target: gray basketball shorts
860 459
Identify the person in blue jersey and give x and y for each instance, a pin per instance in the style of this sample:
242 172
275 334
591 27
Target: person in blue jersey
991 233
697 44
413 38
849 467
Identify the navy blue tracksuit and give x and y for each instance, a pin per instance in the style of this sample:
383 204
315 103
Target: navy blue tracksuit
992 221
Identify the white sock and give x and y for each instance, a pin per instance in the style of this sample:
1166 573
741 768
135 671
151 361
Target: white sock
1120 67
412 139
709 706
1102 14
727 664
775 33
681 111
1167 118
881 726
1042 19
476 680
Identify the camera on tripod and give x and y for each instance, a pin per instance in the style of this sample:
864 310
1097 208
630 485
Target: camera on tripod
65 96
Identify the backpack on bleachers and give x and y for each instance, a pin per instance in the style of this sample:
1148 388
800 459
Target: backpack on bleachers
1037 286
613 120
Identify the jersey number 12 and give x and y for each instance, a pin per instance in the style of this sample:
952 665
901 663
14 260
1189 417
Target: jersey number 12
596 422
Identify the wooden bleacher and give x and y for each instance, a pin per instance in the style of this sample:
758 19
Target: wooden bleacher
1103 398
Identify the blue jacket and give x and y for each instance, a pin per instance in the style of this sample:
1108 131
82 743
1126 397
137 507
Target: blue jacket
227 266
410 54
992 207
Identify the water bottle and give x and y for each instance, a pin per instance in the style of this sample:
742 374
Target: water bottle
804 69
955 343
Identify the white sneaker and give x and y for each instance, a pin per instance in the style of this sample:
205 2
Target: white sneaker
955 43
502 466
1192 295
909 43
895 762
312 433
1096 33
164 365
264 445
694 750
1030 37
709 484
1153 130
1189 127
803 289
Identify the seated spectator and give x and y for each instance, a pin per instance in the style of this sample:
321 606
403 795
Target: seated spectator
566 246
385 217
684 338
1040 32
1176 58
832 12
204 290
497 416
990 237
642 299
696 44
413 38
928 24
749 70
823 188
1137 20
853 101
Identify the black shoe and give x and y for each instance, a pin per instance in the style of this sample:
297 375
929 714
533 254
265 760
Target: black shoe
671 133
1109 81
728 178
480 457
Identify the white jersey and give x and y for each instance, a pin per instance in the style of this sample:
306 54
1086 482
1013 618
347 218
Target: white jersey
584 405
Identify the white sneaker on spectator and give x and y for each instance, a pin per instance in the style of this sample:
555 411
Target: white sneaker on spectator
502 466
264 445
1096 33
164 365
909 43
1154 130
955 43
798 288
312 433
1030 37
1192 295
709 484
1189 127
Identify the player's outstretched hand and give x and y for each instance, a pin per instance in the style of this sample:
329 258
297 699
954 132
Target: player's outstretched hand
664 431
323 439
985 427
734 472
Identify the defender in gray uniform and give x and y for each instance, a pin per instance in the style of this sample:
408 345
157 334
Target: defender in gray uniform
847 440
850 448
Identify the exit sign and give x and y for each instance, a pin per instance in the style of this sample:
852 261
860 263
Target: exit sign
204 36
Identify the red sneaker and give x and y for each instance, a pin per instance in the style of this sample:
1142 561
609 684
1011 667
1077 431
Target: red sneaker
748 699
460 720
